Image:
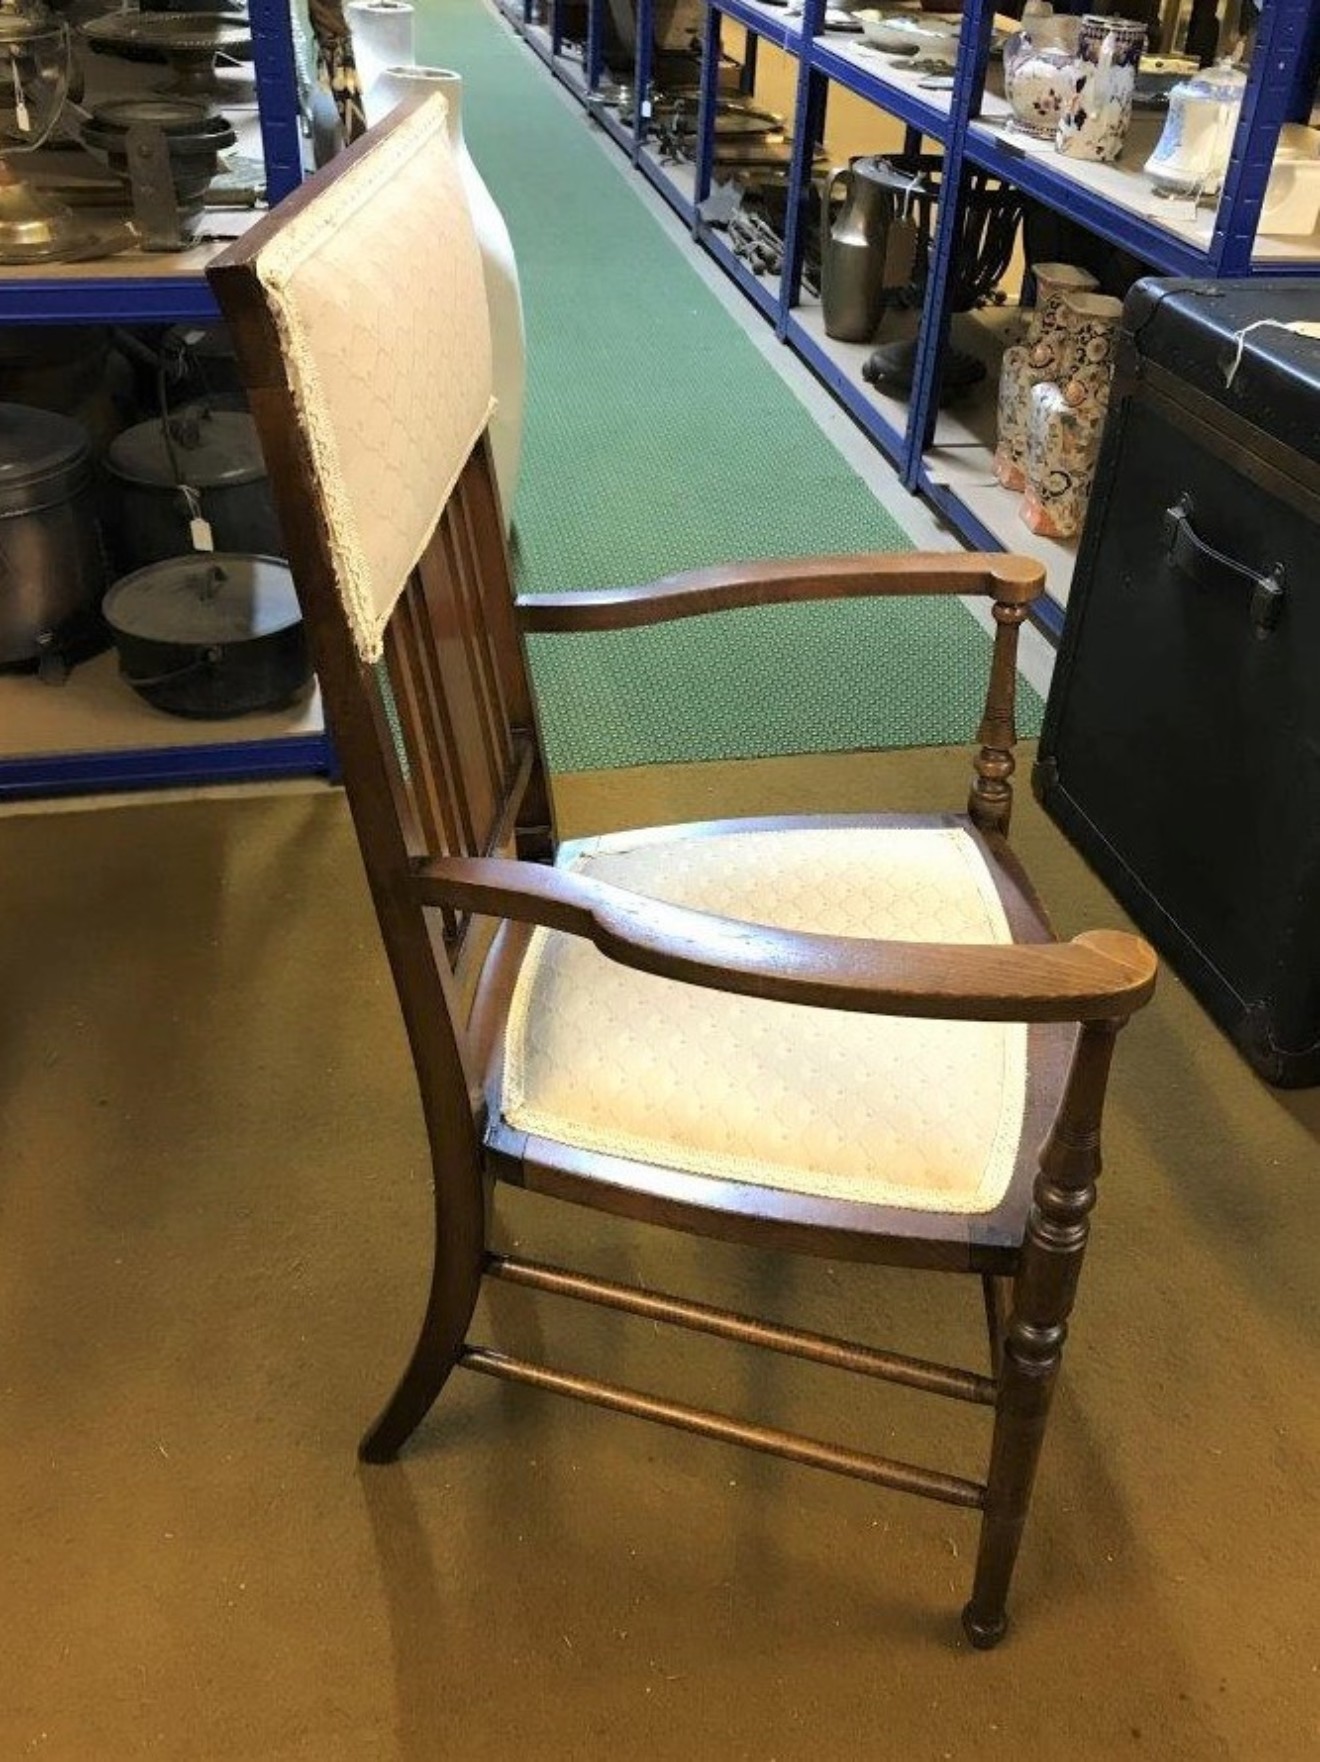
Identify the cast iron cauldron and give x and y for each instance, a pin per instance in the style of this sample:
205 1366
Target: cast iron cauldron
74 370
194 139
198 463
52 573
211 635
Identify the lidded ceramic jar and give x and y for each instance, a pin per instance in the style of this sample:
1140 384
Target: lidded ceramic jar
1192 154
1039 62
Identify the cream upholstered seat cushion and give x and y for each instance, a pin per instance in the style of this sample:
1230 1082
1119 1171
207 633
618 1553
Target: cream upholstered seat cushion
376 289
919 1114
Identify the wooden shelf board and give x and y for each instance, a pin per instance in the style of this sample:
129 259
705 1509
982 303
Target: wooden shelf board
95 711
682 173
893 71
1125 185
850 357
107 78
962 456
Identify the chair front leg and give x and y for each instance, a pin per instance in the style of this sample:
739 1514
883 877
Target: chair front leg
1043 1295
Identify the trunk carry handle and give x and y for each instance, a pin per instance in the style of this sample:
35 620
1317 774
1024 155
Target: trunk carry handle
1210 568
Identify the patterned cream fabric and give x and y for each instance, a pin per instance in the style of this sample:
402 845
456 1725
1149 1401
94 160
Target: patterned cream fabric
925 1115
377 291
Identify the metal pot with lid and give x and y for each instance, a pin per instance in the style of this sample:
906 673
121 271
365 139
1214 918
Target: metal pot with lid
211 636
74 370
193 480
52 573
194 138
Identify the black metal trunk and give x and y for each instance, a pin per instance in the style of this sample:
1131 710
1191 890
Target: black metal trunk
1181 747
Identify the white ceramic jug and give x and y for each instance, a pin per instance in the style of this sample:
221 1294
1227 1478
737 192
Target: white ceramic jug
1192 154
503 294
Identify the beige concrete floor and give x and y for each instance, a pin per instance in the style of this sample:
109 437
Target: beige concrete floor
213 1247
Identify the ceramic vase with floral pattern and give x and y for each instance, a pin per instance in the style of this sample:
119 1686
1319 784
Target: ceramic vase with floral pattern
1066 420
1039 65
1095 120
1038 357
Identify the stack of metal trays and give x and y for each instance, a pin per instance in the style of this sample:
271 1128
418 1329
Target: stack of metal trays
745 133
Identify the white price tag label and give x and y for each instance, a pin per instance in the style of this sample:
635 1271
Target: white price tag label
199 527
21 116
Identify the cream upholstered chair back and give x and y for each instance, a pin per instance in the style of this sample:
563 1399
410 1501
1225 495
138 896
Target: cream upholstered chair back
376 291
359 315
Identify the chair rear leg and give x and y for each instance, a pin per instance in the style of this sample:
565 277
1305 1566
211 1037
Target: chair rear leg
1043 1295
997 1293
439 1343
460 1253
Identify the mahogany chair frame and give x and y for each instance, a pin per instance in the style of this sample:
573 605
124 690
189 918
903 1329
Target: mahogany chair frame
463 834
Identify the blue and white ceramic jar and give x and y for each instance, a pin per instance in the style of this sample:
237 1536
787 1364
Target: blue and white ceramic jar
1095 120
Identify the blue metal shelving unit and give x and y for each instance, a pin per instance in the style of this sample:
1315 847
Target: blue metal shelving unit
1281 82
105 298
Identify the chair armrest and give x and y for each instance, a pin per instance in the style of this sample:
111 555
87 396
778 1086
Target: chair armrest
1101 975
1011 580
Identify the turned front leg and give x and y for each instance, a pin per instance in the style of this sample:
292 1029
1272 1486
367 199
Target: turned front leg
1043 1295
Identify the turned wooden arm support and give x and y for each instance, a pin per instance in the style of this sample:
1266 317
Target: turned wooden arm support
1012 581
1103 975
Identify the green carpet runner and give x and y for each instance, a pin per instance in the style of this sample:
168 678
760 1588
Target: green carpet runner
658 438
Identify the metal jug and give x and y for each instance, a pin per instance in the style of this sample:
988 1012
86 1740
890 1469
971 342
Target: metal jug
853 250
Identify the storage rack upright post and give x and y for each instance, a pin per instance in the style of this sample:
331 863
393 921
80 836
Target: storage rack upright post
945 453
168 289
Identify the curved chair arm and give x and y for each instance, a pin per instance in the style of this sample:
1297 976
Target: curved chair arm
1011 580
1103 975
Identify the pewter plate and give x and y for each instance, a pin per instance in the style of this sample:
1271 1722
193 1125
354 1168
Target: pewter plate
163 31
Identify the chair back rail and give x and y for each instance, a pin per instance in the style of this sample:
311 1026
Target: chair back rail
465 773
459 683
437 743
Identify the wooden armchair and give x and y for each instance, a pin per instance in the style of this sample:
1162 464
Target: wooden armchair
628 1045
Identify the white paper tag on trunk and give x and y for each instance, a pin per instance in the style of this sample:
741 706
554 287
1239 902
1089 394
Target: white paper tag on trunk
1299 326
